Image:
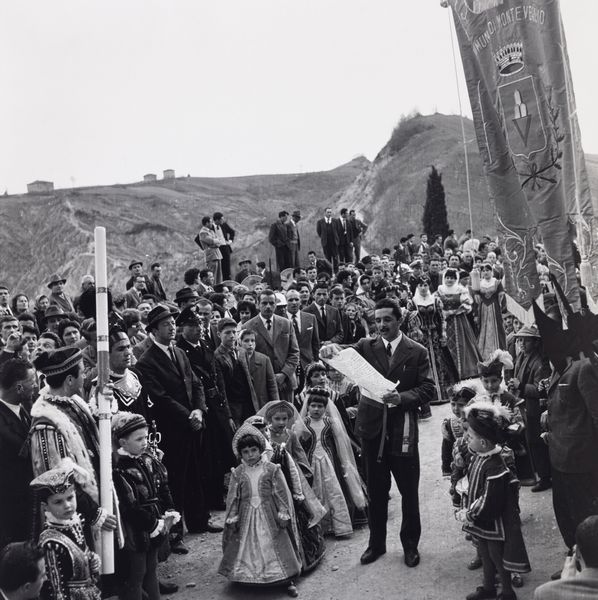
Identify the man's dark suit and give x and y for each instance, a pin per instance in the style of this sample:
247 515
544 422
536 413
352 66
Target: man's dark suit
280 346
573 445
530 370
229 235
322 266
581 587
234 371
332 330
345 240
308 339
216 456
15 475
175 391
279 238
156 288
397 446
328 234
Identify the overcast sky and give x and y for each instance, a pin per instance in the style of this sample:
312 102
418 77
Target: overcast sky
101 92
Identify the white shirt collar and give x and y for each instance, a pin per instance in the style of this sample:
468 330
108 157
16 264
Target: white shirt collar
297 317
16 408
165 349
394 343
264 321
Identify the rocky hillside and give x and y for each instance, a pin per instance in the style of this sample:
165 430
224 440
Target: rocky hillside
157 221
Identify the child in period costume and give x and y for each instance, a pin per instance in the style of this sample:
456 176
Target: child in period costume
146 505
72 568
336 479
260 540
491 376
491 513
284 428
452 428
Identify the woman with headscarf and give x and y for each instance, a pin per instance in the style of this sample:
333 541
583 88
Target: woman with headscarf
460 339
490 299
432 334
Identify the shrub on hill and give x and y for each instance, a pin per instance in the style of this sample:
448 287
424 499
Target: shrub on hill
407 127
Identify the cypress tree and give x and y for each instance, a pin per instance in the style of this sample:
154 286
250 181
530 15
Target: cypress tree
434 219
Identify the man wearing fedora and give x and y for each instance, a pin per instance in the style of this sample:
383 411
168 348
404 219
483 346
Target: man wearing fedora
245 270
52 317
178 408
186 297
279 238
57 295
136 268
294 239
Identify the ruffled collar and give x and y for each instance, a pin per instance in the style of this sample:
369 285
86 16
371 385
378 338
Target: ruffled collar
74 521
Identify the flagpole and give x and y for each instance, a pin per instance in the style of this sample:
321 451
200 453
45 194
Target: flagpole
104 408
445 5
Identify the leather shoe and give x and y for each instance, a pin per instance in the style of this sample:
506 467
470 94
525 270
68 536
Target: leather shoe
371 554
481 593
411 558
543 484
168 587
177 547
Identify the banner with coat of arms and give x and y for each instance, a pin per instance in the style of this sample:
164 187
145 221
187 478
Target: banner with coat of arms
516 66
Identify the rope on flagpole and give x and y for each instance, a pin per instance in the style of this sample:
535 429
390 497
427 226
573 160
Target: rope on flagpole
462 123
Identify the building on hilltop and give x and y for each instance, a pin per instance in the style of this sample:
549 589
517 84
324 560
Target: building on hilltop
40 187
168 173
151 177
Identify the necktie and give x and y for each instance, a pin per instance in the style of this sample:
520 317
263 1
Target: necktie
269 325
323 314
295 326
389 349
26 420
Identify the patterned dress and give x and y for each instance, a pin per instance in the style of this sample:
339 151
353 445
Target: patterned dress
490 300
288 453
461 340
72 569
321 453
431 332
260 540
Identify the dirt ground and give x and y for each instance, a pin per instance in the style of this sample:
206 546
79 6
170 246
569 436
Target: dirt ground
442 572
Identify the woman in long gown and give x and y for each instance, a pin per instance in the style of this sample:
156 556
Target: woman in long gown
432 334
490 300
260 540
284 426
461 342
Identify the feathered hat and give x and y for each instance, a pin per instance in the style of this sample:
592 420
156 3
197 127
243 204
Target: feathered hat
495 363
488 420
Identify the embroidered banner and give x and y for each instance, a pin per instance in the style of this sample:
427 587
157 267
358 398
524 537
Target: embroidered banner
517 73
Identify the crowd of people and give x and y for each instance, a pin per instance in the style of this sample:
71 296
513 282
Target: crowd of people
223 400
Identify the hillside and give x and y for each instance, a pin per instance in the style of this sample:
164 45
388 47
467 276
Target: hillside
157 221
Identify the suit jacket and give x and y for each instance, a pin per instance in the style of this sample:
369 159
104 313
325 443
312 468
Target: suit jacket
308 339
174 390
228 232
15 474
202 363
141 347
358 228
279 235
530 370
584 586
262 376
279 345
334 328
63 301
328 234
132 298
410 366
344 237
323 266
225 366
293 228
156 288
573 418
210 244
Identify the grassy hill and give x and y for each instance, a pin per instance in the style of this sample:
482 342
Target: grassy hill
158 221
